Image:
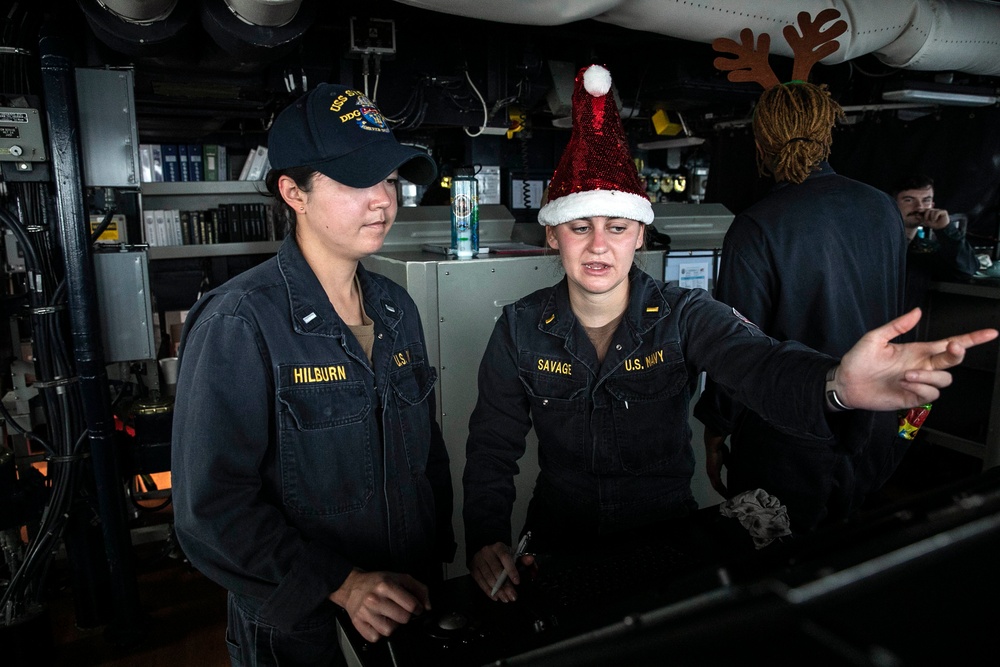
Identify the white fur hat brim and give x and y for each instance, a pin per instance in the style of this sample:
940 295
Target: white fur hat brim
590 203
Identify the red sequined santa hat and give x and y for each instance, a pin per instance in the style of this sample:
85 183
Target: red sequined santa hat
596 175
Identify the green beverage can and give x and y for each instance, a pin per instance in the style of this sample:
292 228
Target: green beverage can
464 216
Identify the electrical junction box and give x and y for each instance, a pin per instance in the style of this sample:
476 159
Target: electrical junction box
21 137
373 36
125 305
109 138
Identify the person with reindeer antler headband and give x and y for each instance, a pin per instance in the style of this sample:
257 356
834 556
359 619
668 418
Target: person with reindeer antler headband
819 260
601 365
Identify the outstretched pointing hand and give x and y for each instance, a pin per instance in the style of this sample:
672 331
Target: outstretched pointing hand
879 375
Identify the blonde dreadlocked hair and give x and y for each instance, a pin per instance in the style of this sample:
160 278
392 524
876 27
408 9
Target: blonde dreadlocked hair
793 126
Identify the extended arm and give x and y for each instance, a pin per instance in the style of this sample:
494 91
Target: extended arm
785 382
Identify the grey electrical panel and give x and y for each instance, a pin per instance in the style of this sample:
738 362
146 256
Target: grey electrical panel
125 306
21 138
109 138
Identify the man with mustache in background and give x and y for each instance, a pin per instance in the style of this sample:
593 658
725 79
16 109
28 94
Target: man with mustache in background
945 257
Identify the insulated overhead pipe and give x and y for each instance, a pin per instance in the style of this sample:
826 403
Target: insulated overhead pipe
926 35
59 87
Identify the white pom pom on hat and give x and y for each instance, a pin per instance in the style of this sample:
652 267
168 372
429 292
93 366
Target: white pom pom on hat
596 175
597 80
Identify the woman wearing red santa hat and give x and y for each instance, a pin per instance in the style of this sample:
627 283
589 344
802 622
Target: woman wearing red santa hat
602 365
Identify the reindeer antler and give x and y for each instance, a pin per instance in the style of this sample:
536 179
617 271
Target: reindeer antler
750 64
814 44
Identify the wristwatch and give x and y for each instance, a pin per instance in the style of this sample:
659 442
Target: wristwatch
833 401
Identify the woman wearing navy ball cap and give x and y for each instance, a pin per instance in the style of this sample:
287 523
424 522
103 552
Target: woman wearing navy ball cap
309 472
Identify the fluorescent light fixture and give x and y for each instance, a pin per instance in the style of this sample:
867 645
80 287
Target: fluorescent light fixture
935 93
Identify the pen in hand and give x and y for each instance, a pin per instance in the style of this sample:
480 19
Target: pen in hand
521 546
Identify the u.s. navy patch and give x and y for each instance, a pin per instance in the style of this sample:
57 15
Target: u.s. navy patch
644 362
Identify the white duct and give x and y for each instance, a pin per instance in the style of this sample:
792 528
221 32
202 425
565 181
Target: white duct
521 12
929 35
960 36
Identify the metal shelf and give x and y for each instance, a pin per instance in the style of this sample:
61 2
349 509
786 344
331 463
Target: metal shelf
204 195
203 188
213 250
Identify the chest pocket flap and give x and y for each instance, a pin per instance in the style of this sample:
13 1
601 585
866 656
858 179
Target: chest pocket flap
413 382
313 408
650 376
546 376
